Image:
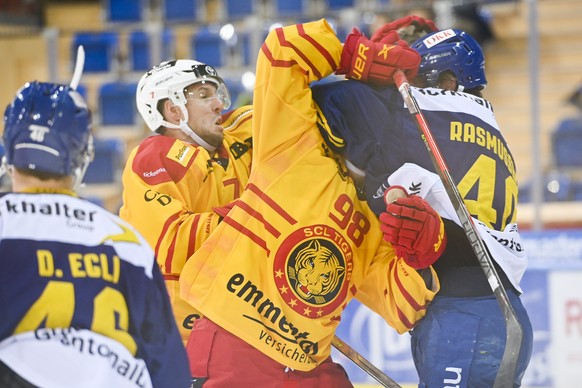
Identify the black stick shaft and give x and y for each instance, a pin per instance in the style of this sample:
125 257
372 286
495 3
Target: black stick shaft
364 364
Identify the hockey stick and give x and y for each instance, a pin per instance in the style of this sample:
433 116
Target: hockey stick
364 364
514 334
79 65
74 84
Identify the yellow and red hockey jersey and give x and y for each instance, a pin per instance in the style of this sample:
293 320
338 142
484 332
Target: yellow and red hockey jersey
299 244
170 188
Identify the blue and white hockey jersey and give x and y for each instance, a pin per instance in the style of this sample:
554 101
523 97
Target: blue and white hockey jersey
375 131
82 300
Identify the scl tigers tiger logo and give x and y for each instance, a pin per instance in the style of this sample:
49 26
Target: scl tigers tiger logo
317 272
312 269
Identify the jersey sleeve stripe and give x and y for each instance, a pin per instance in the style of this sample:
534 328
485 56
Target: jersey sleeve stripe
276 62
161 239
274 205
404 292
404 319
322 50
247 232
192 239
285 43
270 228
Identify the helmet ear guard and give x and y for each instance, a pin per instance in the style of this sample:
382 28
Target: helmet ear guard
451 50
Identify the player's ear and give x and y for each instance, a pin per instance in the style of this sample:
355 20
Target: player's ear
170 111
448 81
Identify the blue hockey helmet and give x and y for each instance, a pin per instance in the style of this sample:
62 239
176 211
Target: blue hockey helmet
453 50
47 128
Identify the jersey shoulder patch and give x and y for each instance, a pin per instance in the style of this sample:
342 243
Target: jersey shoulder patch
160 159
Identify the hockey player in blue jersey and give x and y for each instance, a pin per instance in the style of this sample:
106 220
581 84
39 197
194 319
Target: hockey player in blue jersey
82 300
461 340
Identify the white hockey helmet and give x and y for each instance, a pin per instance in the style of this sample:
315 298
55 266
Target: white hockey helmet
168 80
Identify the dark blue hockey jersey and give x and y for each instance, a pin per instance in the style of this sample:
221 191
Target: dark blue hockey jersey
79 287
375 131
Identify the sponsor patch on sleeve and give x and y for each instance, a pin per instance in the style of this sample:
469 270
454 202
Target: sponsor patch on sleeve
181 153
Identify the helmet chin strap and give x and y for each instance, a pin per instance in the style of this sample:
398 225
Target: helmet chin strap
80 171
188 131
3 166
184 127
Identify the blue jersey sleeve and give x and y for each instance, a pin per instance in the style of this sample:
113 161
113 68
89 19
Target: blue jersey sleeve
375 131
353 117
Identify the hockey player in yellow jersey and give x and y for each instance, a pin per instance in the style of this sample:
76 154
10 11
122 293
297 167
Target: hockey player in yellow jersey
199 160
274 277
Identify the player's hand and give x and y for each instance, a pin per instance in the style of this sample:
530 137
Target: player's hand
414 229
375 62
410 28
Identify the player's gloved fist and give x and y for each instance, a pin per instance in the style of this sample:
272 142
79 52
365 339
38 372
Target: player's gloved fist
410 28
375 62
415 230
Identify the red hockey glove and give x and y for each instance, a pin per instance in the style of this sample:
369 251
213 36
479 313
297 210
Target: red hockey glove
375 62
415 230
410 28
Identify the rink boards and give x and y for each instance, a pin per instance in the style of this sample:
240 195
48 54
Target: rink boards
552 294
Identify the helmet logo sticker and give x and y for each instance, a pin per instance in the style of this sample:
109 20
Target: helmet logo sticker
37 132
438 37
210 70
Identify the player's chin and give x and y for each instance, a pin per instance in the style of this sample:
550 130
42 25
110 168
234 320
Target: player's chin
217 137
218 131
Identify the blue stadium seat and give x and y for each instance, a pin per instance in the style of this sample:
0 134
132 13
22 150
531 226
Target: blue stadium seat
342 32
140 52
248 57
381 5
339 4
557 187
82 89
96 200
577 191
108 161
290 7
101 50
179 11
235 88
117 103
124 10
207 46
236 9
567 143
